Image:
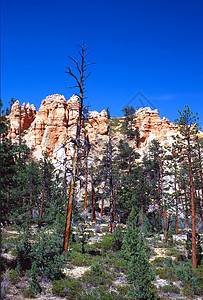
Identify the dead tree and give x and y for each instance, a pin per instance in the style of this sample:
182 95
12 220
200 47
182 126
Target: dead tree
79 78
111 185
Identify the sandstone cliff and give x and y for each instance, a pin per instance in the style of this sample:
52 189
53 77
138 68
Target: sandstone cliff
54 125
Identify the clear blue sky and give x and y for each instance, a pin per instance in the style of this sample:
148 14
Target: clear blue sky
155 47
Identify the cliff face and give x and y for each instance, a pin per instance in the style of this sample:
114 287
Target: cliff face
22 115
151 127
54 125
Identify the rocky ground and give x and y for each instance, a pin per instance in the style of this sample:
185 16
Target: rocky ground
79 265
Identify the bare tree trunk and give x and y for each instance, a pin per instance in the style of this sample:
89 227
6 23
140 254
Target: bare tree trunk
85 198
186 210
42 203
194 259
102 207
165 226
31 204
111 210
176 200
93 202
80 80
20 135
114 207
142 207
86 173
70 199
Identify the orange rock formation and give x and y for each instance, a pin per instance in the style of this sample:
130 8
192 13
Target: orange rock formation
53 127
151 126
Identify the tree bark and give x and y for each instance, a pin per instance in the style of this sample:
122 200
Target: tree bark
42 203
70 199
194 259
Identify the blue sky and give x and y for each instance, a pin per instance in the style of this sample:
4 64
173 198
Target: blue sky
155 47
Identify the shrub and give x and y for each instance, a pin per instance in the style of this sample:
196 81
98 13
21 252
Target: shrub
170 288
96 269
198 274
4 283
172 252
186 274
96 276
28 292
106 244
123 291
69 288
46 253
166 273
118 237
14 277
79 259
159 262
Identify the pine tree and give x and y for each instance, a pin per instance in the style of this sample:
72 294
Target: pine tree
128 127
188 130
134 250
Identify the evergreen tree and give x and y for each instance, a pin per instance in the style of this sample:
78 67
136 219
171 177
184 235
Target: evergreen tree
187 124
140 274
128 124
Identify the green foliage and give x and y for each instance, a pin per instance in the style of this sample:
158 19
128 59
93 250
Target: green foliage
186 274
83 235
28 292
118 236
170 288
96 269
47 254
159 262
135 252
106 244
34 285
198 274
23 250
79 259
97 276
132 190
68 287
14 277
128 124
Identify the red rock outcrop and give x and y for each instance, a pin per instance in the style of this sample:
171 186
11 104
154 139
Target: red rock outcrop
151 126
54 125
21 117
98 124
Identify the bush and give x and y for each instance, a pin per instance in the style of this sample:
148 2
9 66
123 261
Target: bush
106 244
28 292
159 262
170 289
96 269
96 276
118 237
46 254
198 274
166 273
79 259
69 288
14 277
187 275
123 291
